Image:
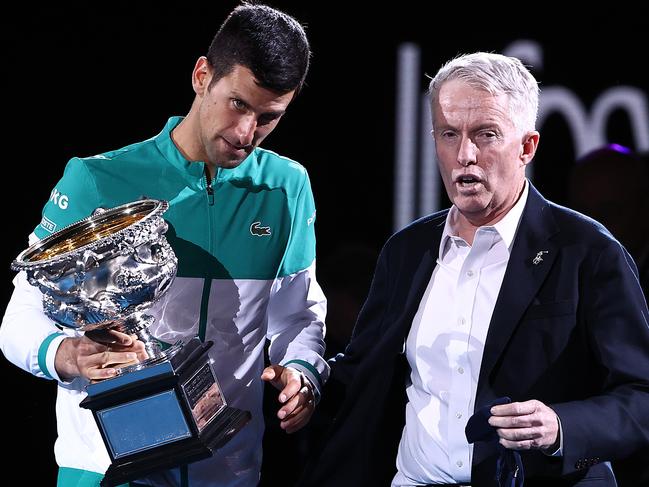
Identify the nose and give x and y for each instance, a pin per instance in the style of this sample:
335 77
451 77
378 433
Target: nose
245 130
467 153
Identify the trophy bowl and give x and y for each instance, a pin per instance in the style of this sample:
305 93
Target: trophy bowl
105 271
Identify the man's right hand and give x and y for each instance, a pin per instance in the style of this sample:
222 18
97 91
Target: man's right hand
97 355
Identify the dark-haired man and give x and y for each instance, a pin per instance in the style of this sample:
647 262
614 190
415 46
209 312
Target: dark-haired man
241 221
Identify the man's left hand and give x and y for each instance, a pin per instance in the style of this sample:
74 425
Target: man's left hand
295 396
525 425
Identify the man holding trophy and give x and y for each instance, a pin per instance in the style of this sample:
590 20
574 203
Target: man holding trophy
232 263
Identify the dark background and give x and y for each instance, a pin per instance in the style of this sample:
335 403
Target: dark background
80 81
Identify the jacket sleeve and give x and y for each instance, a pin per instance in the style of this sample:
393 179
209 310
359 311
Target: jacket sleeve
74 198
28 338
615 422
297 306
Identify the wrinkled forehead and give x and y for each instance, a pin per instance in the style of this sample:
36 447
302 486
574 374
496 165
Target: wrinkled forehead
458 94
459 102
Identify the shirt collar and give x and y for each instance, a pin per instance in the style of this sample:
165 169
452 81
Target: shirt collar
506 227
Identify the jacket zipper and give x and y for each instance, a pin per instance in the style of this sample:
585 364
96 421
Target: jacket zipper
208 186
207 281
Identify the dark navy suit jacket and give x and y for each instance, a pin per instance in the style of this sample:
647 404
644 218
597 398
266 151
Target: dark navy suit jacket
570 330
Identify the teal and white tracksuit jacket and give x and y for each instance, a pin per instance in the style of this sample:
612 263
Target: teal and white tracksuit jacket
246 249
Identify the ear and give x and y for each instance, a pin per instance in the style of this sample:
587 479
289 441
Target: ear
528 147
201 76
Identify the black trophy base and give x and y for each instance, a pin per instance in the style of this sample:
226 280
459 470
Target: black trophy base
228 423
163 415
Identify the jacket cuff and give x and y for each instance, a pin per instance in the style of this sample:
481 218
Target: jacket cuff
310 372
47 354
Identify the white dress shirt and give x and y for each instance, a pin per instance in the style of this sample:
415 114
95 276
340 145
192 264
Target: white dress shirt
444 350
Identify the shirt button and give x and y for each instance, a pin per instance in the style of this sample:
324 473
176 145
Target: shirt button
469 273
460 370
462 321
459 463
458 415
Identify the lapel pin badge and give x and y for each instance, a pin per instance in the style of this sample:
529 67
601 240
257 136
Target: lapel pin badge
539 257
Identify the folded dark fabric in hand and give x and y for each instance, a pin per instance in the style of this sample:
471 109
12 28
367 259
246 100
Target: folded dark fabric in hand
509 468
478 427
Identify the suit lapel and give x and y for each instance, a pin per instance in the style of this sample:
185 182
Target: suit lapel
531 258
419 276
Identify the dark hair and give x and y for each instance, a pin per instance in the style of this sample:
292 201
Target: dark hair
272 44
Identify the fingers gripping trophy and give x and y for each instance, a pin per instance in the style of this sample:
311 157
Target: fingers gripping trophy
104 273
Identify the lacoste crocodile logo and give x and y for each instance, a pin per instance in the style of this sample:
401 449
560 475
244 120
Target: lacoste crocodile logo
258 230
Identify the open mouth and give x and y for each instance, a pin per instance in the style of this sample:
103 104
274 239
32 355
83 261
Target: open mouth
467 180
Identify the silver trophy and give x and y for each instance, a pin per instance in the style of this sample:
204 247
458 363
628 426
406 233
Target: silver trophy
105 272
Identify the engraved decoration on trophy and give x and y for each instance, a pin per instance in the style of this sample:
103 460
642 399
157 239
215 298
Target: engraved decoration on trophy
104 272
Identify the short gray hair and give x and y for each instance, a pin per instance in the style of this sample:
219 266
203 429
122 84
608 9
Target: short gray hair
496 74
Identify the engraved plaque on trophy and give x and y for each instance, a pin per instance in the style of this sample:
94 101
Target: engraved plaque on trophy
104 272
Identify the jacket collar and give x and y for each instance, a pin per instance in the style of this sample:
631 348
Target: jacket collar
192 171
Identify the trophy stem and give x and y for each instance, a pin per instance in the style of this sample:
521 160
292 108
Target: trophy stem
138 324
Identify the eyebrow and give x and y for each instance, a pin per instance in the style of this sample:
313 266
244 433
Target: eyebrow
273 113
482 126
488 125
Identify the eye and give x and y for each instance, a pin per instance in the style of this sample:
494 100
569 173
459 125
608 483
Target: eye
448 135
238 104
487 135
